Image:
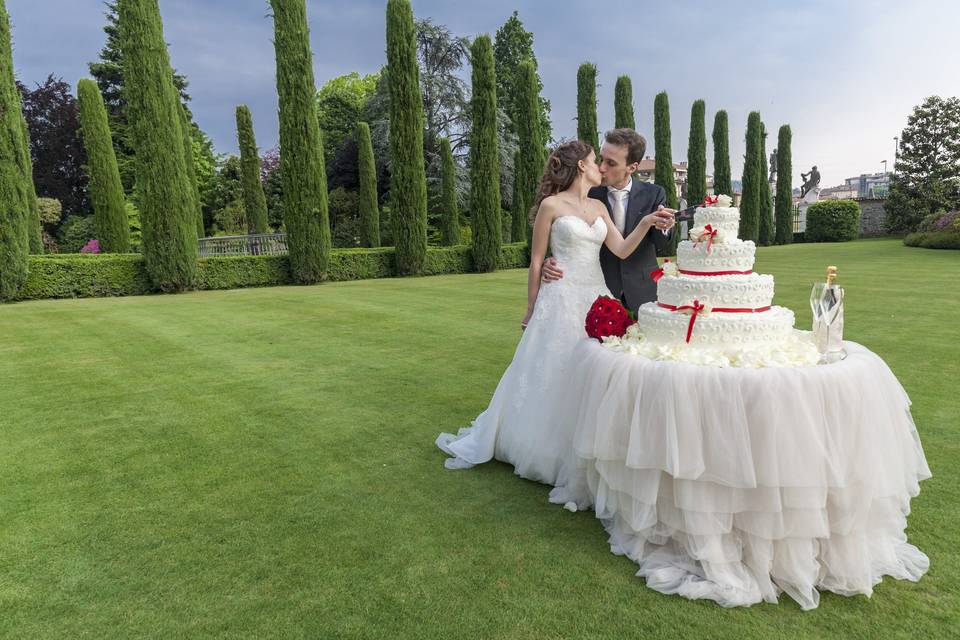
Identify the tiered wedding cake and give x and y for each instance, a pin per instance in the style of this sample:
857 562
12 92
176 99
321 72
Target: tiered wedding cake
712 308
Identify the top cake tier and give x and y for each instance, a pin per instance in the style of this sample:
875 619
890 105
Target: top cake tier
727 219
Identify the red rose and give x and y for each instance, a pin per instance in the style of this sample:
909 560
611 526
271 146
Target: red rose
607 317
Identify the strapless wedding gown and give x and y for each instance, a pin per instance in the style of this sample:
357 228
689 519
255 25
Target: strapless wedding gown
520 426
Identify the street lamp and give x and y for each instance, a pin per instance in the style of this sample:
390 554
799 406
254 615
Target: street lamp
884 167
896 150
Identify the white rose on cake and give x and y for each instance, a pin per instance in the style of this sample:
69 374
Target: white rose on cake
724 201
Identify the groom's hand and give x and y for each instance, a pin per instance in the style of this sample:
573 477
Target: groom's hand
663 218
551 272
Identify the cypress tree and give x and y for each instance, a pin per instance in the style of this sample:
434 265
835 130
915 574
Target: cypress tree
106 189
697 154
587 129
530 155
33 228
750 202
167 197
450 221
623 104
15 209
306 216
191 171
722 180
784 208
254 201
369 205
663 171
484 164
767 230
408 181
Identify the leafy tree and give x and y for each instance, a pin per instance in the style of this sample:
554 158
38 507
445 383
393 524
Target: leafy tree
227 198
167 200
106 190
623 104
587 128
697 154
408 184
340 106
722 181
512 45
926 176
531 156
663 170
304 174
784 206
450 226
750 202
58 155
484 159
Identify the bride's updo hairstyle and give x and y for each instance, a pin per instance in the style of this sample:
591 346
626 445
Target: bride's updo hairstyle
560 171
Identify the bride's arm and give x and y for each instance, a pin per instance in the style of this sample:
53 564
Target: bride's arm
623 247
538 251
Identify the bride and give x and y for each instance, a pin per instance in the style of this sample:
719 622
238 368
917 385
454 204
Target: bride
519 426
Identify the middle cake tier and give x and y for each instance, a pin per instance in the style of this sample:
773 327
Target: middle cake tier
732 255
753 291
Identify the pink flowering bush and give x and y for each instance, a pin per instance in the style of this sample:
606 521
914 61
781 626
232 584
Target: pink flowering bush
92 246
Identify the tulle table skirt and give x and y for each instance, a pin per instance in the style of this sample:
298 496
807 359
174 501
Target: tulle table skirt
736 485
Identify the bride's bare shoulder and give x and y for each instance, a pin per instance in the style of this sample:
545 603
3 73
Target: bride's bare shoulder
549 206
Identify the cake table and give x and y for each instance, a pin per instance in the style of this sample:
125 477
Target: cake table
736 484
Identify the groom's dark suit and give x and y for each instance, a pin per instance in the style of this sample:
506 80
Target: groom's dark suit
629 279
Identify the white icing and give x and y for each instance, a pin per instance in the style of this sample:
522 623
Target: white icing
732 255
724 218
754 290
714 329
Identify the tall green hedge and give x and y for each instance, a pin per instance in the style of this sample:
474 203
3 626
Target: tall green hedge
750 202
784 208
106 190
167 197
408 181
34 230
832 221
531 154
484 158
306 216
697 154
450 220
587 128
190 163
722 180
623 104
14 205
369 204
767 230
663 169
254 201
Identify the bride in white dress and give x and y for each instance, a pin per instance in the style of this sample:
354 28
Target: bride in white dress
520 426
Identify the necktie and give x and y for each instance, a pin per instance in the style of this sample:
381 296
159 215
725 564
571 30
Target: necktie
619 211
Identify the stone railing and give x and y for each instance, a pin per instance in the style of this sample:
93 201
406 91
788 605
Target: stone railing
257 244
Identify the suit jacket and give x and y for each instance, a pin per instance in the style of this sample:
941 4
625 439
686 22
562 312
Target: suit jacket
629 279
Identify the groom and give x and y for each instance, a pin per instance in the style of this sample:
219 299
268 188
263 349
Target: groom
628 200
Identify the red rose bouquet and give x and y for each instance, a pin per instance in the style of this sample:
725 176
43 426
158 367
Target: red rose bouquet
607 317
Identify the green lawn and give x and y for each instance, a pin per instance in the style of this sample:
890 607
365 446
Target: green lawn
260 463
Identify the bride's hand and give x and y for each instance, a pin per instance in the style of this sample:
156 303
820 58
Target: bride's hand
526 320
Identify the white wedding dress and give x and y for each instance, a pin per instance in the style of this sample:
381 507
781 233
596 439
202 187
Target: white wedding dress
520 426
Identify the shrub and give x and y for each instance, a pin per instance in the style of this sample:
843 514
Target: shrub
345 217
50 211
89 275
833 221
933 240
76 232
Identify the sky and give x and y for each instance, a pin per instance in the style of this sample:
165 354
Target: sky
844 75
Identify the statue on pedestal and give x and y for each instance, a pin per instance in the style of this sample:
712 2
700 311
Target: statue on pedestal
811 180
773 166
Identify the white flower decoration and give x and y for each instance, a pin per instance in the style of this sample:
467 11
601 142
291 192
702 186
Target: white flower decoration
724 201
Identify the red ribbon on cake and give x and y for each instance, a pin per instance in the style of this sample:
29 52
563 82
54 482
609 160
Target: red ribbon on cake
710 233
696 308
657 273
711 200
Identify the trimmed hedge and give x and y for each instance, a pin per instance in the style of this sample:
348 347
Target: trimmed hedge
103 275
933 240
833 221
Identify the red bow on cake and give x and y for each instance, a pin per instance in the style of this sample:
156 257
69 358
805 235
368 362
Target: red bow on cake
709 233
711 200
